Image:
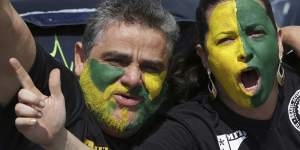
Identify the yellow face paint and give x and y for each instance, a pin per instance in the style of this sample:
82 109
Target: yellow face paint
101 101
224 45
154 83
102 104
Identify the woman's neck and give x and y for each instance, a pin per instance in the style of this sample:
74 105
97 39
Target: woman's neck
263 112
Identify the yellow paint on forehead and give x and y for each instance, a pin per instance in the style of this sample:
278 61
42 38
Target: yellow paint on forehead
154 83
222 18
223 57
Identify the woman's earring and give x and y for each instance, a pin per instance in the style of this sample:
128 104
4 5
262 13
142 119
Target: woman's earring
211 86
198 46
280 73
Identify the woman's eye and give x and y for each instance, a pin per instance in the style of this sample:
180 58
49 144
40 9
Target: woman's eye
225 40
256 33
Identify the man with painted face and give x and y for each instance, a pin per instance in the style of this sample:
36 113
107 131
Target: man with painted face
122 71
255 98
122 63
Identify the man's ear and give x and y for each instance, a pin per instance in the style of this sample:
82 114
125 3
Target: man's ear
202 54
79 58
279 42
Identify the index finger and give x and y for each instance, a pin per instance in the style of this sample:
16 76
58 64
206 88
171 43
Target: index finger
21 73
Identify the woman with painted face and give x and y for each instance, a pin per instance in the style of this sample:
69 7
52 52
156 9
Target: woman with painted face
254 101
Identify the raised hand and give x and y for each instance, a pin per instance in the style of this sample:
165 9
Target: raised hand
40 118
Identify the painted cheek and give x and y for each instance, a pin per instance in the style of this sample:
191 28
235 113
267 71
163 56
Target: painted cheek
103 74
89 88
223 58
102 104
153 83
264 48
226 69
222 21
93 96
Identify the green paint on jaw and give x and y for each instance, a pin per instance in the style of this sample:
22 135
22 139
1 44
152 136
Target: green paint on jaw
104 74
140 91
147 108
251 17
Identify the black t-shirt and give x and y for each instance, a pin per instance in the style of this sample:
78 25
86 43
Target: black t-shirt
149 127
206 124
78 119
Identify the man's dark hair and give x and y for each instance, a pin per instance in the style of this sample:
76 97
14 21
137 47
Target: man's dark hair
148 13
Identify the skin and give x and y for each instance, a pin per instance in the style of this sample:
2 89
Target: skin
15 41
237 41
290 37
123 77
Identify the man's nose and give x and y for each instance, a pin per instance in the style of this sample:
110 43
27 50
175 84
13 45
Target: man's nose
132 76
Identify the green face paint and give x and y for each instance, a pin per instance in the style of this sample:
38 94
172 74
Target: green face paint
253 19
99 82
103 74
224 47
233 48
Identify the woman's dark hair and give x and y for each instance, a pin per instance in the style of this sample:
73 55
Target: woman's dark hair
202 25
186 75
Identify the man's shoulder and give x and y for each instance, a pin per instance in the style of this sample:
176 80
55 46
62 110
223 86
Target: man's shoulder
92 134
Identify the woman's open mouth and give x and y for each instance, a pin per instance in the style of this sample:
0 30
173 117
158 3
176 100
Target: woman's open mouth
250 80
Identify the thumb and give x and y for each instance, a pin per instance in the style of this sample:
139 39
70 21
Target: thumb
54 83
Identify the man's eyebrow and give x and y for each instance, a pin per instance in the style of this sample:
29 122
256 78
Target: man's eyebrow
154 63
115 55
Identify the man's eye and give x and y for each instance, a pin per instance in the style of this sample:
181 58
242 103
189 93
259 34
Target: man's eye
225 40
117 62
150 69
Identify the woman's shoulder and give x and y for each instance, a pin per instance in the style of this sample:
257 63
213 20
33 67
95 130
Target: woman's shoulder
197 119
197 111
186 126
